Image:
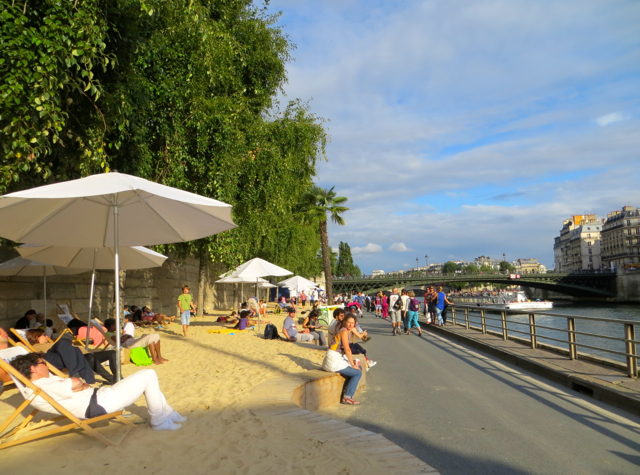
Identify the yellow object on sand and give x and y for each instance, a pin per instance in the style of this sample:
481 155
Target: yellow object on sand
226 330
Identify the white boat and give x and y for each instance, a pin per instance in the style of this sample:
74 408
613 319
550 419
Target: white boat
520 303
504 301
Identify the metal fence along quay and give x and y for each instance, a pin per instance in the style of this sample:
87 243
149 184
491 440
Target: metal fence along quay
504 322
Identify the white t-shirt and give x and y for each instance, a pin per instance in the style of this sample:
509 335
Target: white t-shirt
405 302
130 329
60 390
393 298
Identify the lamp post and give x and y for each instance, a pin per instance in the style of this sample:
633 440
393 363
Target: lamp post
426 263
417 264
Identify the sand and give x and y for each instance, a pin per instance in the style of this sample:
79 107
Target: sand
209 379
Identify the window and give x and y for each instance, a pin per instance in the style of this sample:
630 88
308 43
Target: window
628 232
589 251
589 235
589 244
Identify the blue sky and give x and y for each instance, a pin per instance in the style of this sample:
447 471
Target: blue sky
465 128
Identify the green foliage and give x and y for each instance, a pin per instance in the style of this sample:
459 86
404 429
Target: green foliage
314 207
345 265
506 267
471 269
177 92
450 267
484 268
50 55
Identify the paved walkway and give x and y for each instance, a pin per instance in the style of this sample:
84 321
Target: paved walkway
462 411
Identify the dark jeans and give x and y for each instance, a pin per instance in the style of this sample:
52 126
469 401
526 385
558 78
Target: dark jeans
404 320
96 359
357 349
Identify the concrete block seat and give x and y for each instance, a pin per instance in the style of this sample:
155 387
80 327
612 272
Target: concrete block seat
311 390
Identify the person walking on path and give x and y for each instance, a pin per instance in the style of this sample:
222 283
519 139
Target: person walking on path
378 305
412 313
395 309
303 299
405 306
385 306
429 304
440 303
185 304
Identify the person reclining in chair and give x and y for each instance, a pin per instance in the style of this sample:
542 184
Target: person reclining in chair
74 394
150 341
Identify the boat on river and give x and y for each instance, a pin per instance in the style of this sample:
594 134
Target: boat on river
504 301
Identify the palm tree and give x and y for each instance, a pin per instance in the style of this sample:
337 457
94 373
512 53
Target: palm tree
316 205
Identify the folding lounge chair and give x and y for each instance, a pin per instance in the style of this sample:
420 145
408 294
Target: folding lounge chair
10 437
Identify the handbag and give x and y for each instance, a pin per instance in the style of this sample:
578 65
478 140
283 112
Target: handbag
94 409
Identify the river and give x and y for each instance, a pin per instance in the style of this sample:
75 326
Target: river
629 312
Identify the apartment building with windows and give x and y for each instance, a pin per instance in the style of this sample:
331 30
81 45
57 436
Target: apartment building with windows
621 238
579 245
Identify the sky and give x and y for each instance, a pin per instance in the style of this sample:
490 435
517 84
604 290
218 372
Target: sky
468 128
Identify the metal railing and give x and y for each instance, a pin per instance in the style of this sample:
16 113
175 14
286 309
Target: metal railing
569 336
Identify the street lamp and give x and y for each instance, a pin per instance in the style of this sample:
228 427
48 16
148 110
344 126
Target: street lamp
426 262
417 263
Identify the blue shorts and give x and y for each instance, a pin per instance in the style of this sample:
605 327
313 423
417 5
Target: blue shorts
185 317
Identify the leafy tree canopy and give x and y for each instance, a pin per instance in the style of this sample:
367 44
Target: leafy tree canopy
450 267
178 92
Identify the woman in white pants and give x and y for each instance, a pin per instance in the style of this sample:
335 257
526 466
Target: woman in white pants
74 394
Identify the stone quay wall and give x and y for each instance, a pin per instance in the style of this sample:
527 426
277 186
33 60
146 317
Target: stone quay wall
157 288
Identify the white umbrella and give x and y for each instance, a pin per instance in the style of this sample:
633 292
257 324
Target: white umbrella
136 257
298 284
256 268
89 212
27 267
240 280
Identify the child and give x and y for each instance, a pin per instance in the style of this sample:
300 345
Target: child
185 304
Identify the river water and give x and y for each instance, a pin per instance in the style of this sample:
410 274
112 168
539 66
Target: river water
629 312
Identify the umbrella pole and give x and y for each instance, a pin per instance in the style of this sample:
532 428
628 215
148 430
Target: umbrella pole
116 248
258 297
44 270
93 281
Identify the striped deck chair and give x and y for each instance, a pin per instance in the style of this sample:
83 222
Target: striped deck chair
12 437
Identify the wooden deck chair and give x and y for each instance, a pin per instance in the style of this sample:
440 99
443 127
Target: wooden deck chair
10 437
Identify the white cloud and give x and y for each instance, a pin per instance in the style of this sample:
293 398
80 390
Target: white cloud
399 247
448 166
612 118
335 249
369 248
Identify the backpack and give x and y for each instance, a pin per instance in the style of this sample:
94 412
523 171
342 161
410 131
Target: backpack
398 305
271 332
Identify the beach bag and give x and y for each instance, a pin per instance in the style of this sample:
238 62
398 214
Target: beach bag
271 332
94 409
140 357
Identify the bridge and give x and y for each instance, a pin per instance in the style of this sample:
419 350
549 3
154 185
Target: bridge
602 285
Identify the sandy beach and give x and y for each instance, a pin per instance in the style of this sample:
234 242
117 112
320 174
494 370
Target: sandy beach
209 379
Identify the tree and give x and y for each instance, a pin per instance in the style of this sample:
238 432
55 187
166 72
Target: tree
345 264
471 269
484 268
506 267
450 267
316 205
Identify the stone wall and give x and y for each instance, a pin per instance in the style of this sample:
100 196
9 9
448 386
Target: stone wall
157 288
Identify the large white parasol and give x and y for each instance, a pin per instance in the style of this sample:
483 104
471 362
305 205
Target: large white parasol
27 267
110 210
256 268
298 284
135 257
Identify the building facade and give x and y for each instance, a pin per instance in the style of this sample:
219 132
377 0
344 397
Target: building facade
578 247
621 239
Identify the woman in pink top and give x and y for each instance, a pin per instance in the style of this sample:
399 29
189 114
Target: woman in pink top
385 306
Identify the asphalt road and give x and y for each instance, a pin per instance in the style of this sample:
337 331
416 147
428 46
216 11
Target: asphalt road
463 412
